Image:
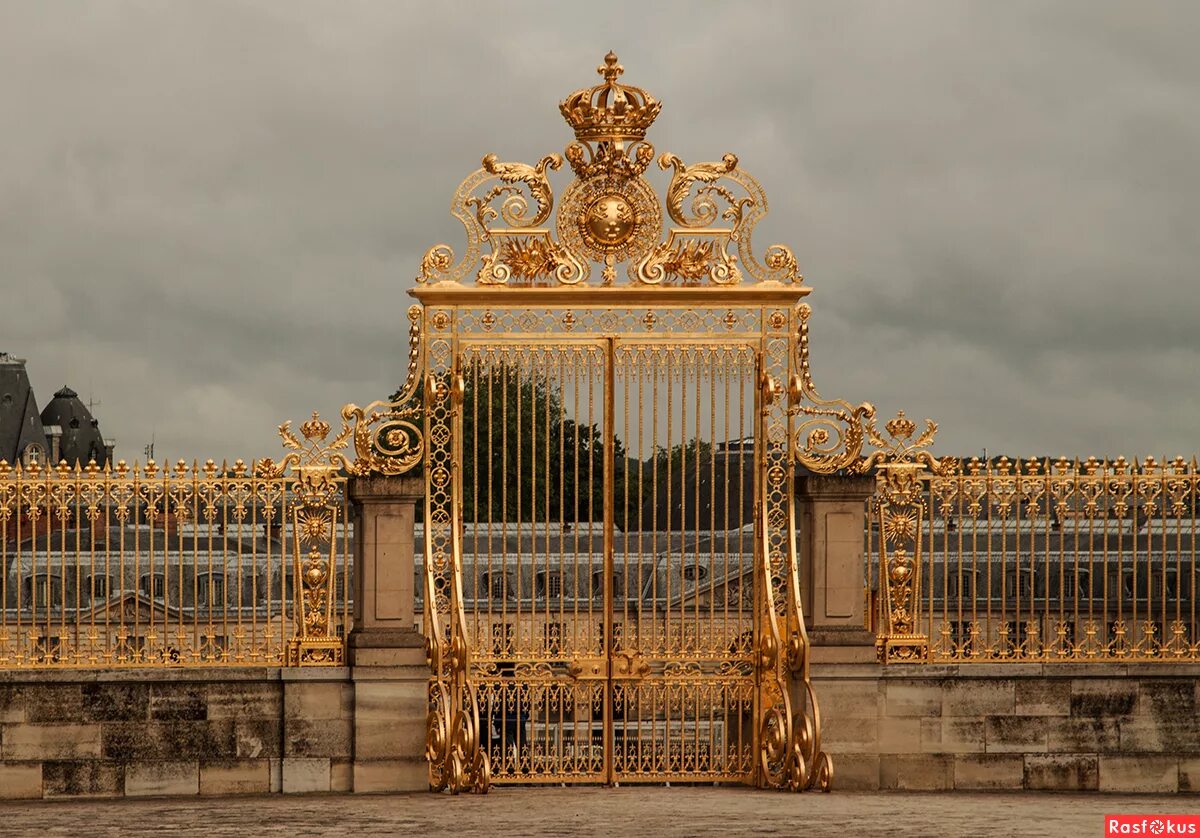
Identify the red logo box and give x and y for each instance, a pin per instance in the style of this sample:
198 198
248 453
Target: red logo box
1154 825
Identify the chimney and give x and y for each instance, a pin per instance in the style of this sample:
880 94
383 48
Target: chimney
109 445
54 437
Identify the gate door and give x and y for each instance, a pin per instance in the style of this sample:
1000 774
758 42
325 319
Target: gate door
612 390
608 558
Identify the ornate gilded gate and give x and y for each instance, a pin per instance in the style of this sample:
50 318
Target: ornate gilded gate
610 572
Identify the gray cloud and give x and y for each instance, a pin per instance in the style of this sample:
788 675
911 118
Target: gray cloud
210 213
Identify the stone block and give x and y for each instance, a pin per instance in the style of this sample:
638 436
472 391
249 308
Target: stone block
1103 697
977 772
952 736
923 698
12 704
115 702
405 739
916 772
1053 772
318 700
900 735
1043 697
1143 773
341 775
245 701
178 702
1189 774
302 775
1167 699
849 699
52 702
130 741
83 779
386 700
856 772
162 778
1179 735
242 776
20 780
378 776
50 741
318 738
977 697
838 736
257 738
1082 735
1015 734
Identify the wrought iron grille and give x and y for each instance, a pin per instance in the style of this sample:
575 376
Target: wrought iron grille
201 565
1039 560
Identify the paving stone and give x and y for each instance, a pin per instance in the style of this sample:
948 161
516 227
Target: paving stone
705 812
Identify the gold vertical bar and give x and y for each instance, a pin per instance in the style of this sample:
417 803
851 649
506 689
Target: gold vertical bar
608 470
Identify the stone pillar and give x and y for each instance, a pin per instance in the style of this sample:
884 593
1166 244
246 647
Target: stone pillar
829 512
386 649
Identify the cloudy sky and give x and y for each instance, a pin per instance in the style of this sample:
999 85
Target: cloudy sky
211 212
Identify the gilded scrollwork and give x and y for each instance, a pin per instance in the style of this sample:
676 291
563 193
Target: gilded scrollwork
830 432
609 215
388 437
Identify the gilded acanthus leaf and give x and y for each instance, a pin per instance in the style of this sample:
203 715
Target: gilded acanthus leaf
689 260
533 177
528 258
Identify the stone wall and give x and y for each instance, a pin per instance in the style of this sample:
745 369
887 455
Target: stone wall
173 732
1058 727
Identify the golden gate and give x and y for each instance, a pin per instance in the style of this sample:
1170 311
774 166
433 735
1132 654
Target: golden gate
610 572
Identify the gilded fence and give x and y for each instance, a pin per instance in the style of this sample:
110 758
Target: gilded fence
1034 560
178 565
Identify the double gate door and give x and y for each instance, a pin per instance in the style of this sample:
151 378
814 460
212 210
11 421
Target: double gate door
608 556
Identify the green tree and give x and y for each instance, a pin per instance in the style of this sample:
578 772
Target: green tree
514 424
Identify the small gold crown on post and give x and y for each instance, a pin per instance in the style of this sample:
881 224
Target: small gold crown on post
610 111
315 428
900 427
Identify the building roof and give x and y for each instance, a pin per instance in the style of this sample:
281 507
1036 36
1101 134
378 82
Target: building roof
81 438
20 424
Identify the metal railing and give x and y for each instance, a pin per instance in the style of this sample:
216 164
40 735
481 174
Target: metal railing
178 565
1037 560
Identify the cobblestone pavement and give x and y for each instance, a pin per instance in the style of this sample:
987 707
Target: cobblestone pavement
592 811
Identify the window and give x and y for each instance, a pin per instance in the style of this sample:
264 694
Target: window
695 573
154 584
548 584
42 591
34 455
211 589
495 585
99 587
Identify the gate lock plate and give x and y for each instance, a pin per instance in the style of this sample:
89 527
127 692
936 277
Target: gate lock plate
625 666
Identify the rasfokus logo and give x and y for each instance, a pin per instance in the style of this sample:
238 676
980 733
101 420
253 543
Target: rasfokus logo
1151 825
